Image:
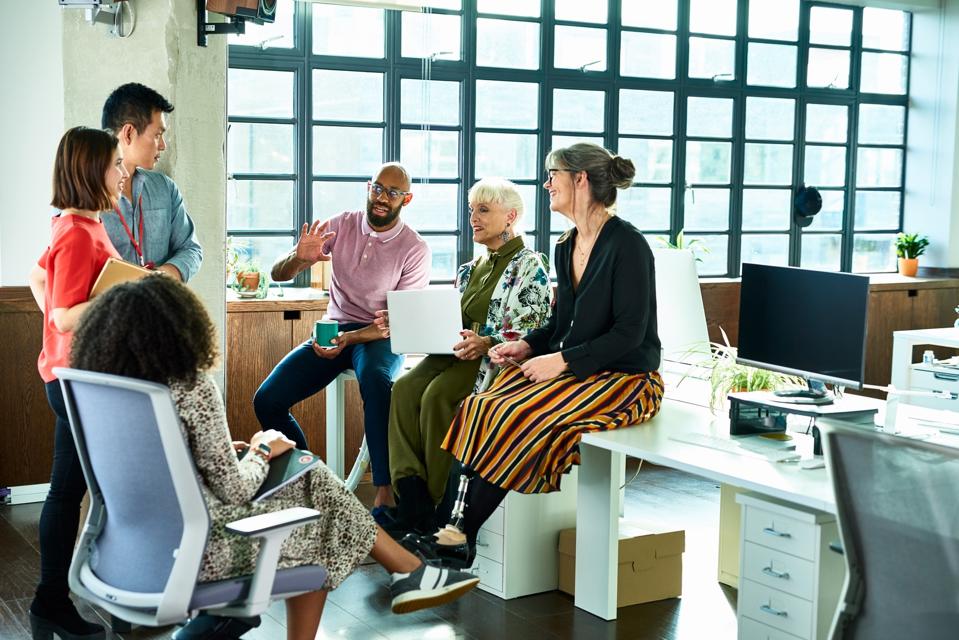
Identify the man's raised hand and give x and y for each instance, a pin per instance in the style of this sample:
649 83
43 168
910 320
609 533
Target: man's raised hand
312 238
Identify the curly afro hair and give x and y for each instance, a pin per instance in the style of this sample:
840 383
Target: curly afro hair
153 329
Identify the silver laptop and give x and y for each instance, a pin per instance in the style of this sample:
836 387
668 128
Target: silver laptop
424 320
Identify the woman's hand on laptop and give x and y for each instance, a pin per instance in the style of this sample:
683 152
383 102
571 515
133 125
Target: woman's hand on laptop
278 443
382 322
472 347
510 352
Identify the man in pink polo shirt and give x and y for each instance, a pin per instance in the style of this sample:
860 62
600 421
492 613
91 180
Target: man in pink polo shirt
372 252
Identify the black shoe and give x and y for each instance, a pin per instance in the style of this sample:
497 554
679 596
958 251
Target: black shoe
207 626
458 556
63 619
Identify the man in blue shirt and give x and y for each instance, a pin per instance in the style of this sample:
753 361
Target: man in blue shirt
150 226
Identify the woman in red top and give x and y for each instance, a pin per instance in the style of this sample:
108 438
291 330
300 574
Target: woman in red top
88 176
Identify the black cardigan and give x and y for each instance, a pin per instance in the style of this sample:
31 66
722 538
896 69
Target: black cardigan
609 322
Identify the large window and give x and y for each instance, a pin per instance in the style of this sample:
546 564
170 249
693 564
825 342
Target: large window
726 107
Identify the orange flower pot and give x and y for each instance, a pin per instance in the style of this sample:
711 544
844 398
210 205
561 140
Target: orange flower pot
908 266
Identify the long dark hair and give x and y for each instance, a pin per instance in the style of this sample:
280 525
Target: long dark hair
154 329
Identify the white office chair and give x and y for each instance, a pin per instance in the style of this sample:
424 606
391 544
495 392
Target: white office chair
142 544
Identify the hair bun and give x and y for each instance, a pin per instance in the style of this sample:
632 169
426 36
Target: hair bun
621 172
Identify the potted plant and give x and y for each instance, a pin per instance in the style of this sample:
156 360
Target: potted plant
727 376
909 246
249 277
693 246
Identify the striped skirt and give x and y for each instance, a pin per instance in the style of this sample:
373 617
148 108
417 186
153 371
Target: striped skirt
524 436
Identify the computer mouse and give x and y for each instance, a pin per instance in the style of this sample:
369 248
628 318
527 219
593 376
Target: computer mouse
812 463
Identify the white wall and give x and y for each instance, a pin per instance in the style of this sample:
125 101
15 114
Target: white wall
31 123
932 167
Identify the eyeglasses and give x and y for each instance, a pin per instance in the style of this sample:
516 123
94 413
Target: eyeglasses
551 173
377 190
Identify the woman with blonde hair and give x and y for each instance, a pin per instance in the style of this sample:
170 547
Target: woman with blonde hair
505 294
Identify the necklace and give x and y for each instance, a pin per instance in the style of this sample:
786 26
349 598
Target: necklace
584 251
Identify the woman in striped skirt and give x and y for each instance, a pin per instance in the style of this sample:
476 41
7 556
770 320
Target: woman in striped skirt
591 368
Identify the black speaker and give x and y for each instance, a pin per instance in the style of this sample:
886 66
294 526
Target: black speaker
259 11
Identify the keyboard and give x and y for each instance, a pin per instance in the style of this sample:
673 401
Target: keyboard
750 447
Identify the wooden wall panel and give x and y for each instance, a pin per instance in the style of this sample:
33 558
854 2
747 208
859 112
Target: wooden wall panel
26 420
721 304
255 343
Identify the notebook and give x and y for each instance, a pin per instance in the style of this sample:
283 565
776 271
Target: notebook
424 320
115 271
284 469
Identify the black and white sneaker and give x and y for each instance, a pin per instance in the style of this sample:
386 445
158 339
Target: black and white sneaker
428 586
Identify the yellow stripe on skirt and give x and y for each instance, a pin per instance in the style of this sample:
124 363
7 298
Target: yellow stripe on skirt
523 436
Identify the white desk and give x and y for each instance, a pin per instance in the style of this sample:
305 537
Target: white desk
598 493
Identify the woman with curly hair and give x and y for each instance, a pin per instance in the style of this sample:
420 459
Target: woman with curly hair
88 176
505 294
156 329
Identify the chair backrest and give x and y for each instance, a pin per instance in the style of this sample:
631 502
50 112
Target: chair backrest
148 522
898 505
680 318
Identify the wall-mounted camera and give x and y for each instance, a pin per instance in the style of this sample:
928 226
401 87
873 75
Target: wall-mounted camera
116 13
258 11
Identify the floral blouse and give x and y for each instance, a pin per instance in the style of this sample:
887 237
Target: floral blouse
521 302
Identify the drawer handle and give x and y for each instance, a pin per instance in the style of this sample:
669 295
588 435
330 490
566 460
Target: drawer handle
945 376
782 575
482 544
778 534
474 570
765 608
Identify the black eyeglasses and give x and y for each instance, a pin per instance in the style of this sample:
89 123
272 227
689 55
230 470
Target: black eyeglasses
551 173
377 190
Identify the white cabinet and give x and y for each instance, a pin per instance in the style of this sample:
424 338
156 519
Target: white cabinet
517 548
789 579
930 377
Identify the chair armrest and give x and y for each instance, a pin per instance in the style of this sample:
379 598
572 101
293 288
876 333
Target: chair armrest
273 528
265 523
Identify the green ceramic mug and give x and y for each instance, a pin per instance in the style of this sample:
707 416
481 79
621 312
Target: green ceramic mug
324 331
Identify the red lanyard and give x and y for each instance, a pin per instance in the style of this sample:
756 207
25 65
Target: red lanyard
137 246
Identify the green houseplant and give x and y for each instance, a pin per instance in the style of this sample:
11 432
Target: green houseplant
727 376
909 246
693 246
249 277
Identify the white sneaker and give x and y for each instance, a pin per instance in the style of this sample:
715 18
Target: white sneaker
428 586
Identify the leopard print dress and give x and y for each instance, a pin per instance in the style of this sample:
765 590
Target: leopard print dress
338 541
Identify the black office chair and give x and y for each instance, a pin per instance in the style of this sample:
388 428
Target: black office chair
897 501
141 548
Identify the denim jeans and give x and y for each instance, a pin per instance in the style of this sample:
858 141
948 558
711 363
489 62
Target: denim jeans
60 516
302 373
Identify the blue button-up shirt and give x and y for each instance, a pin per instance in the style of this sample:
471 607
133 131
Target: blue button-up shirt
169 236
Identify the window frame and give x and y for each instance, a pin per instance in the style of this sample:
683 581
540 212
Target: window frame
301 60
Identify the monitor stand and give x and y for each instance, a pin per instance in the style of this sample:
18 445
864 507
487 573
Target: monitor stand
814 393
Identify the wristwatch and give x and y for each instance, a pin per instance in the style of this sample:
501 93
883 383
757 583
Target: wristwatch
263 450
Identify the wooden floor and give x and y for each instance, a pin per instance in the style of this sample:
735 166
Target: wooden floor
360 607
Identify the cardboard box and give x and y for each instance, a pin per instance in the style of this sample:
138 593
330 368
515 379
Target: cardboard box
650 562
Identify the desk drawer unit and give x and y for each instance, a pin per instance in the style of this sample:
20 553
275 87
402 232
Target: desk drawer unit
789 579
489 545
749 628
775 608
516 548
779 570
780 532
926 377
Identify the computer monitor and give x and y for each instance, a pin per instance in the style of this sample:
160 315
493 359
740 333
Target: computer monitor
806 323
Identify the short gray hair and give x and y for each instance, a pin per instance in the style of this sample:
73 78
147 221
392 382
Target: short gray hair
499 191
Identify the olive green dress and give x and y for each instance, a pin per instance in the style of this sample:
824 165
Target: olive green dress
425 400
